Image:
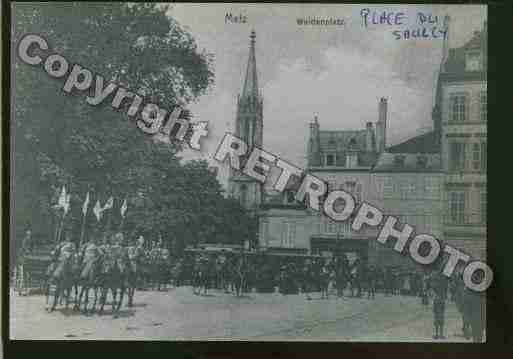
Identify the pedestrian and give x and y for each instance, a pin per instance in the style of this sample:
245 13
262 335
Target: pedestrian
371 280
439 314
425 290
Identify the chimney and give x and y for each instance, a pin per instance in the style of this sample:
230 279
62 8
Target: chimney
314 144
369 138
381 125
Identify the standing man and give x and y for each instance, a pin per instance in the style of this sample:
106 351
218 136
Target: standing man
27 244
371 280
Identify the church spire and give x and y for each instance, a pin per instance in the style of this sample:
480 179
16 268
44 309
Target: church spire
250 88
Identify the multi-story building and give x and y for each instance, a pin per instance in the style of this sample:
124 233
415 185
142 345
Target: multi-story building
343 159
461 113
407 183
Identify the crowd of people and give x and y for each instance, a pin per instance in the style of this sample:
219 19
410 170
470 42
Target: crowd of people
111 264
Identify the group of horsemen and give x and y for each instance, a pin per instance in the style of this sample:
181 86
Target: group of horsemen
103 265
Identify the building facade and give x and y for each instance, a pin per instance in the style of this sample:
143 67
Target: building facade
407 183
461 110
343 159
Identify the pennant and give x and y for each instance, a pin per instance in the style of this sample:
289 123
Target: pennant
62 198
97 210
109 204
124 207
85 205
66 204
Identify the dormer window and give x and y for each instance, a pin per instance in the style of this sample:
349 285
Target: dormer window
421 161
399 160
473 61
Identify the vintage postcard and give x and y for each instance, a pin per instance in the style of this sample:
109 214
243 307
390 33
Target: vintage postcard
255 172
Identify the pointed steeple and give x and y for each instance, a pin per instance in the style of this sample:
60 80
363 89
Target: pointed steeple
250 88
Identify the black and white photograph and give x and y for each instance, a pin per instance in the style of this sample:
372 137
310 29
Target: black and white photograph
248 172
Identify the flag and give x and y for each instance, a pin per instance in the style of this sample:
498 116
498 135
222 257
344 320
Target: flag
97 210
86 204
62 198
66 204
124 207
108 204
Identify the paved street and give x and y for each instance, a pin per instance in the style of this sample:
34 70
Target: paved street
177 314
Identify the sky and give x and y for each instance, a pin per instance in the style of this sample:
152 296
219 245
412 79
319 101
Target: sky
335 72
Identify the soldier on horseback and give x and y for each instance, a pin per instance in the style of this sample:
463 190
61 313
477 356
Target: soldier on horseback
114 272
60 270
90 257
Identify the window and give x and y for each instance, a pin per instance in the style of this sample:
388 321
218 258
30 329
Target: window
479 157
476 156
432 187
399 160
473 62
458 107
332 185
330 226
457 156
330 160
243 195
483 104
388 188
457 207
483 156
408 191
483 204
422 161
289 233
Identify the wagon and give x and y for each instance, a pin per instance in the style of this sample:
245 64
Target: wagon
30 273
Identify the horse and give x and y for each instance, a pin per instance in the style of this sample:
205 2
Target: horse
89 278
60 273
113 276
133 274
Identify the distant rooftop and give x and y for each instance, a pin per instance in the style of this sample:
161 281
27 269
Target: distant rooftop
425 143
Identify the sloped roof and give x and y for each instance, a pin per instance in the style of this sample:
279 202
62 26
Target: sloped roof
425 143
455 62
390 162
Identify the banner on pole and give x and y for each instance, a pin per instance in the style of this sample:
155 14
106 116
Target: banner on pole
85 205
109 204
62 198
97 210
124 207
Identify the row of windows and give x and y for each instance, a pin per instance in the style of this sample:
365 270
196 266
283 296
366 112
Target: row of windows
352 187
330 160
429 189
327 226
461 160
459 107
458 213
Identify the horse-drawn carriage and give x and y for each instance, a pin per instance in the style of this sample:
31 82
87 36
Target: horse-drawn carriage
30 272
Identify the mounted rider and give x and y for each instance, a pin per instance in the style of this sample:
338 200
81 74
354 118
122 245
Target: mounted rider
62 254
90 254
135 253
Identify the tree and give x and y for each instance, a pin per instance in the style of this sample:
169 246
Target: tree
60 140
